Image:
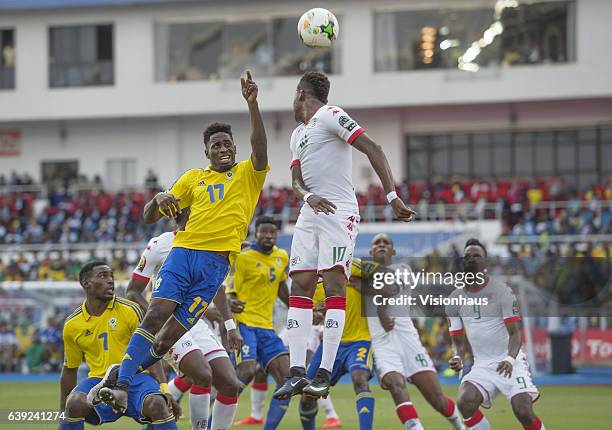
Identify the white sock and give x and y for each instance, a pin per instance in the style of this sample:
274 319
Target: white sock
332 333
414 424
327 404
199 407
178 386
224 412
258 400
481 424
299 326
454 418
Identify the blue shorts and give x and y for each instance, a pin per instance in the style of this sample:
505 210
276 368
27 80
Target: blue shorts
261 345
142 386
350 356
190 278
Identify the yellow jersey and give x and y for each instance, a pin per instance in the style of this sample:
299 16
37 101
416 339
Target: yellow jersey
257 277
222 205
100 340
355 326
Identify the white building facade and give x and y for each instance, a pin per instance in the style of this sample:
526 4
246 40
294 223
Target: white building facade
122 88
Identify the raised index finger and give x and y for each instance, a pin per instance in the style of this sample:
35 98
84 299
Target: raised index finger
249 77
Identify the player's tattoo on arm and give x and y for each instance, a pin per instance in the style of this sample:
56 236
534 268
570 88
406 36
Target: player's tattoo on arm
68 381
134 292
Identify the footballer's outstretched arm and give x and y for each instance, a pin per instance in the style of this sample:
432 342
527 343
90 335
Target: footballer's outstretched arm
134 292
259 142
514 345
379 162
68 381
234 339
283 293
317 203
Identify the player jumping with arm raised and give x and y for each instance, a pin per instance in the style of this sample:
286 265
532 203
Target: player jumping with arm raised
493 332
327 226
222 198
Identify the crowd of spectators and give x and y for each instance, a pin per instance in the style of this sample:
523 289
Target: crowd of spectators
75 215
30 348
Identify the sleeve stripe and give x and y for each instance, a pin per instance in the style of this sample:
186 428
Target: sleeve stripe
139 276
74 314
135 307
294 163
456 332
512 319
355 135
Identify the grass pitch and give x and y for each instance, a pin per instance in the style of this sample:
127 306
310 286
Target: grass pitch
560 407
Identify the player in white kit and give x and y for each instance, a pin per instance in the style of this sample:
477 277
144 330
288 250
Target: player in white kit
326 229
490 323
198 354
399 354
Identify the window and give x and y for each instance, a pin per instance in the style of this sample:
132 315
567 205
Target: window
81 56
59 171
518 33
7 59
582 156
224 50
120 173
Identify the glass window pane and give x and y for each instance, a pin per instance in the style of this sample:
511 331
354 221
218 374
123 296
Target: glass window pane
439 153
543 153
7 59
587 157
246 45
460 155
606 150
521 33
523 154
502 154
81 56
566 151
482 155
417 158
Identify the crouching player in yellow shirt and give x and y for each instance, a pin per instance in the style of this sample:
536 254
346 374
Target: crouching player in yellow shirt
354 353
99 331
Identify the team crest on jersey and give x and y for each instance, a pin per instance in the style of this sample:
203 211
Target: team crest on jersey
295 260
112 323
229 175
142 263
157 284
278 262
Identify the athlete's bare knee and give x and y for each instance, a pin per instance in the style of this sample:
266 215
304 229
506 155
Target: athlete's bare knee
162 344
307 403
523 410
155 407
360 381
467 404
76 405
155 317
334 282
202 376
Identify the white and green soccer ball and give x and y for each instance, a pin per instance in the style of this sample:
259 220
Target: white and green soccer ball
318 28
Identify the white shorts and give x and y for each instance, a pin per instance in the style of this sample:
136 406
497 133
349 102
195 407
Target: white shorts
313 340
402 352
199 337
489 382
322 242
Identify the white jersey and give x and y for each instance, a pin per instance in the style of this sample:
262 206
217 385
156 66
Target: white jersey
403 321
485 325
322 149
154 255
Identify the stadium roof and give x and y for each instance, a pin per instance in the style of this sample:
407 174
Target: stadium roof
57 4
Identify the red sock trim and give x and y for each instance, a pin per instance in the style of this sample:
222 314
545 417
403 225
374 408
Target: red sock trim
182 383
263 386
406 411
196 389
226 400
536 425
450 408
474 419
335 302
300 302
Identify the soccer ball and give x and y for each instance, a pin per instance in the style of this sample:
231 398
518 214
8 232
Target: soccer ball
318 28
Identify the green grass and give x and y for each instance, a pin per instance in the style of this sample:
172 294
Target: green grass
565 407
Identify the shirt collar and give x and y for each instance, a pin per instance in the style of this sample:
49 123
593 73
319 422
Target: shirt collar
255 247
111 305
